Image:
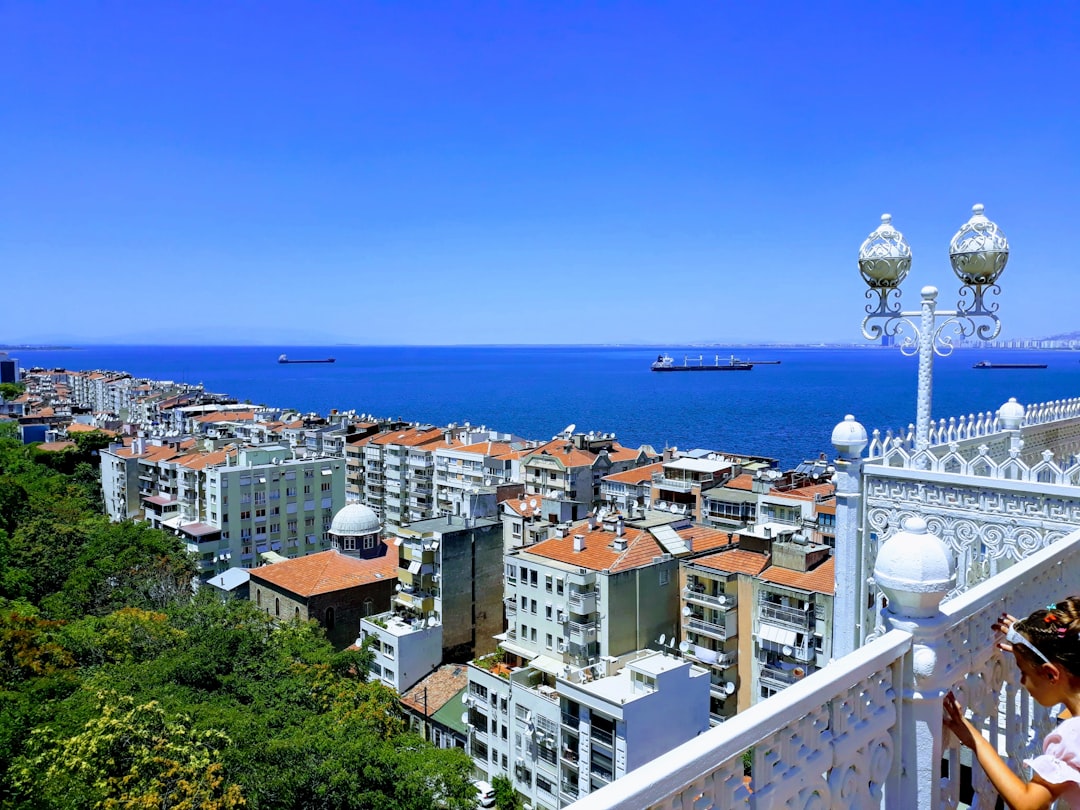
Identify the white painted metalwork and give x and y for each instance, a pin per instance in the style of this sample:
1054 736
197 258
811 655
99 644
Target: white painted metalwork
978 253
866 730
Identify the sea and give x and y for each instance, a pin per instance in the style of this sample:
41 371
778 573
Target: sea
785 411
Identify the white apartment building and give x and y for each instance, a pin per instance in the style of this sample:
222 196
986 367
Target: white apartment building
560 732
630 491
231 505
466 476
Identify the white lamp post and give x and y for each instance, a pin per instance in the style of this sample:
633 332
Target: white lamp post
978 253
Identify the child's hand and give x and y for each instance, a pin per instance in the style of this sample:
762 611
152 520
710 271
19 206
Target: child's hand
1002 625
954 720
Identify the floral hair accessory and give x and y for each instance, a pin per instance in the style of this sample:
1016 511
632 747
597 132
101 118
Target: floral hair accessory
1052 607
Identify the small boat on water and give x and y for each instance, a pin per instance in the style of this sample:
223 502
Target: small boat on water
667 363
285 359
988 364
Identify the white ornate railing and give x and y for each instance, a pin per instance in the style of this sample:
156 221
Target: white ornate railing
972 426
866 731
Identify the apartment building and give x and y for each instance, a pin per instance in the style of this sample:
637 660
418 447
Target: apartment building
467 477
757 615
560 732
230 504
448 607
630 491
571 466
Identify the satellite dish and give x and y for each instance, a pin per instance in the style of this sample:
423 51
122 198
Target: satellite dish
686 611
532 502
663 639
570 429
722 600
464 718
788 650
397 587
798 672
431 621
729 688
684 647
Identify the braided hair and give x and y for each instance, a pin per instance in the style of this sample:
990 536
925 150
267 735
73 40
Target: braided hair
1055 632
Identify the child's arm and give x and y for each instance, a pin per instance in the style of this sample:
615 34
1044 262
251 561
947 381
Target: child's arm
1018 794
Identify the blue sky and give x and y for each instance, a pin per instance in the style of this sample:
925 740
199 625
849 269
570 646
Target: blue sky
508 172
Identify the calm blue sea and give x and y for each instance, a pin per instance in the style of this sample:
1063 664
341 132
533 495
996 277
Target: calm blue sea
785 411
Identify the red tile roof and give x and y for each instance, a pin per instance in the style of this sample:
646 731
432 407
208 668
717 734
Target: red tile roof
326 571
706 538
436 690
636 475
598 554
821 579
744 482
735 561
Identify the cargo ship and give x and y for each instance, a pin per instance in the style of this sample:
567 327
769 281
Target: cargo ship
667 363
988 364
285 359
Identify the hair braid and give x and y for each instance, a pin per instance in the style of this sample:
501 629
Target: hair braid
1055 632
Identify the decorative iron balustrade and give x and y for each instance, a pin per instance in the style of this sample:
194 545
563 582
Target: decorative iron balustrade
866 730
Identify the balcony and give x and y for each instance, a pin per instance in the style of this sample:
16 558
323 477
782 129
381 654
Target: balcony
602 736
718 602
786 616
582 601
511 607
582 630
674 484
717 631
865 731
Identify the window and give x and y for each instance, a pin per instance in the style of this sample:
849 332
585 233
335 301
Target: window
533 577
307 489
560 586
329 618
277 606
665 576
258 597
309 473
246 515
547 583
547 614
290 492
260 513
369 542
296 614
547 641
275 528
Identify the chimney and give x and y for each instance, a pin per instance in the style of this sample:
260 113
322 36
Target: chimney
690 543
579 542
592 520
619 528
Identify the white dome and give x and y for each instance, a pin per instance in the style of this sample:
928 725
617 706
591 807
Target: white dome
355 520
915 569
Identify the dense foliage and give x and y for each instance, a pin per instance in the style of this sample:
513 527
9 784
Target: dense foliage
119 688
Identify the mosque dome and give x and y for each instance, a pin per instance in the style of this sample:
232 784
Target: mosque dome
355 520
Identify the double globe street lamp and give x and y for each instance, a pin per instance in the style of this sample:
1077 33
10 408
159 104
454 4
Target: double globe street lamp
978 253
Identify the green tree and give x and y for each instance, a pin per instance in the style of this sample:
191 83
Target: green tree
506 798
129 756
11 390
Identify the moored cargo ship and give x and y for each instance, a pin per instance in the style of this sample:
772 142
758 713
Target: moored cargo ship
284 359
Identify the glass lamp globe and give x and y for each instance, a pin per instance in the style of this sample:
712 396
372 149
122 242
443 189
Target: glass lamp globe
979 250
885 257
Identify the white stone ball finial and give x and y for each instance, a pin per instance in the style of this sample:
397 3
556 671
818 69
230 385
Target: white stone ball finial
849 438
915 570
1011 414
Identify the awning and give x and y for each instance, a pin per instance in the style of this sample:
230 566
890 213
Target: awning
414 567
778 635
198 529
545 663
160 500
511 647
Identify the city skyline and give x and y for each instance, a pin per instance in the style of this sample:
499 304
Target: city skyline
533 174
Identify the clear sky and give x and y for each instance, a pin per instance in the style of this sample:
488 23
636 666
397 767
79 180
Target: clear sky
510 172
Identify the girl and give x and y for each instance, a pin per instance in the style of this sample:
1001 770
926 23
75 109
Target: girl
1046 646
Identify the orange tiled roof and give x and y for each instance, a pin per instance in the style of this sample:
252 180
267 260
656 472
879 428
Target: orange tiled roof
226 416
79 427
743 482
410 437
598 554
827 507
436 690
55 447
636 475
811 491
496 449
565 452
522 507
200 461
706 538
620 453
326 571
735 561
821 579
